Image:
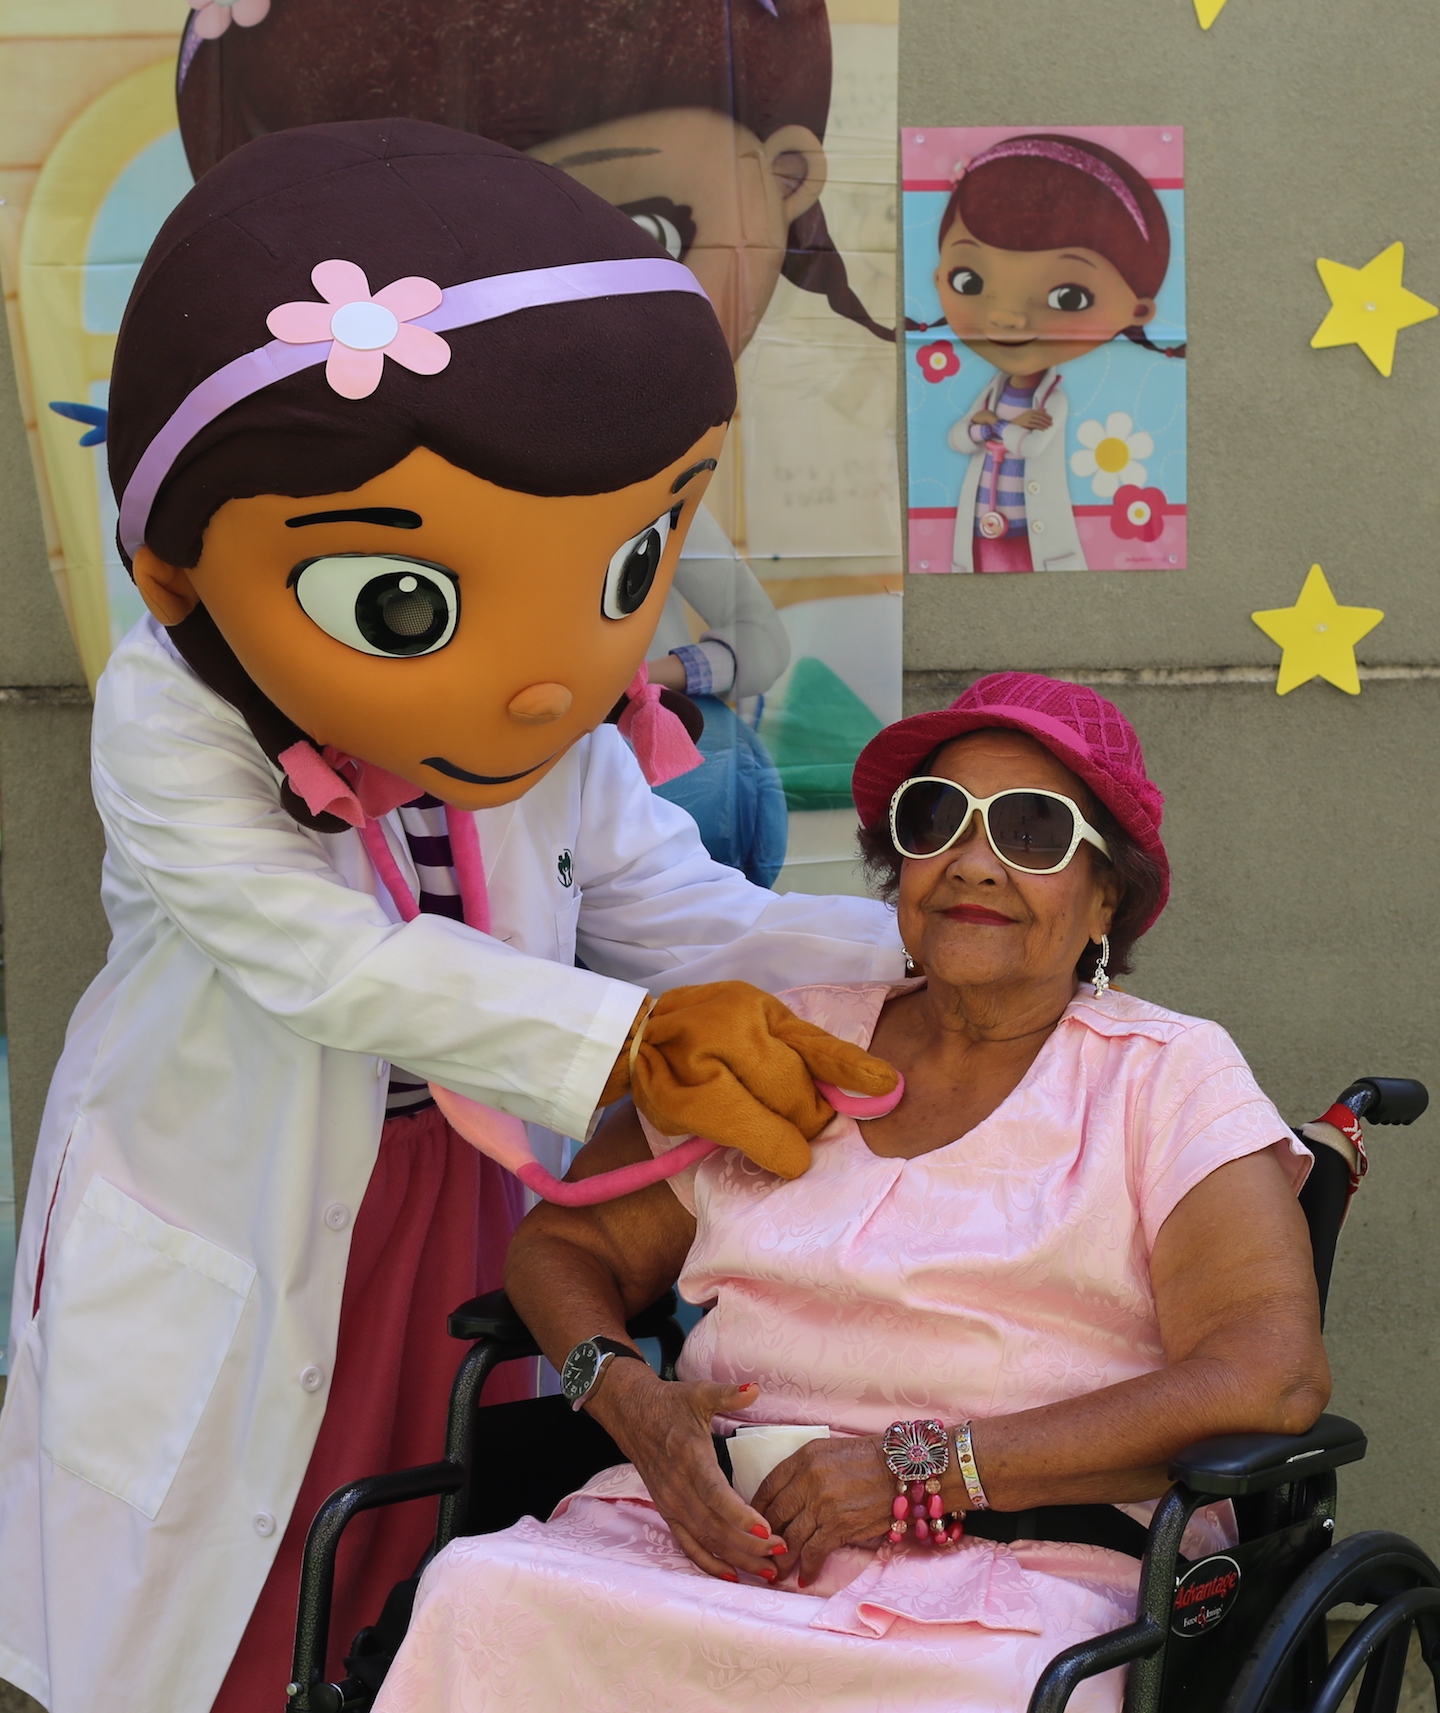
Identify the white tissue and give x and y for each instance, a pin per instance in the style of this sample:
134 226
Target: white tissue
754 1452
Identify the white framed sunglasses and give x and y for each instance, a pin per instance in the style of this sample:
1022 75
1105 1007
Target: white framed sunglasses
1034 831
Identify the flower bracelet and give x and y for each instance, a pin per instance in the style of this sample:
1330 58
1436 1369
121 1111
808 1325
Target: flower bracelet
917 1454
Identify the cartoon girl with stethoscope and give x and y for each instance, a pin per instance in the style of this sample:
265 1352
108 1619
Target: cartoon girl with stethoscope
1050 247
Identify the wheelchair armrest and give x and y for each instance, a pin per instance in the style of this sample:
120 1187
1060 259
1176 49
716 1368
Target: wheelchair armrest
492 1316
1234 1464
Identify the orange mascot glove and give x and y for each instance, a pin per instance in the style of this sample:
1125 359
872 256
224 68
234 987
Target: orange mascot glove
728 1061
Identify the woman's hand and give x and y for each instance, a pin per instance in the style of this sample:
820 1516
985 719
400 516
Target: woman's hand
663 1427
831 1493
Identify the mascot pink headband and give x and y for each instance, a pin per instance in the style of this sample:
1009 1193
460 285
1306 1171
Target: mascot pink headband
1046 149
352 332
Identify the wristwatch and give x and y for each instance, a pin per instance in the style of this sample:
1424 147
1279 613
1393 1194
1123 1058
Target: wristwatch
584 1364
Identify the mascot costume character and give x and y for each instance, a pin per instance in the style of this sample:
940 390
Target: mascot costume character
407 430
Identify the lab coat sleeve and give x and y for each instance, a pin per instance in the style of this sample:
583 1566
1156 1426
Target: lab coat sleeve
190 805
1031 442
657 910
726 593
960 438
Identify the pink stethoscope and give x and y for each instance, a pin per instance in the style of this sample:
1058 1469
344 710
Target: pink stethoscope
499 1134
993 523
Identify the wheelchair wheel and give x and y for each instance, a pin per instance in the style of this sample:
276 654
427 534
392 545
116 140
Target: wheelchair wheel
1289 1669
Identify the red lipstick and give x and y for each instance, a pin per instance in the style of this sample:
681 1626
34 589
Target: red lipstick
979 914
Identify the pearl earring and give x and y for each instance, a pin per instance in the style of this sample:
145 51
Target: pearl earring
1101 979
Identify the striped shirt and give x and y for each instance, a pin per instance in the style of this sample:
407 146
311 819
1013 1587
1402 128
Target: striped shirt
423 823
1008 497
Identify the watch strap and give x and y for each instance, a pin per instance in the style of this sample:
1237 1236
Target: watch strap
608 1348
613 1347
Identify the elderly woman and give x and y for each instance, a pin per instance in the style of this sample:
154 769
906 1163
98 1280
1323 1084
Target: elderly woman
1071 1250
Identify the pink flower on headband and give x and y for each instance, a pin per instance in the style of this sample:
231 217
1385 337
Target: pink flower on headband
365 329
213 17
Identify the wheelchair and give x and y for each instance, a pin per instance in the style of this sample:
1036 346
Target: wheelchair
1242 1631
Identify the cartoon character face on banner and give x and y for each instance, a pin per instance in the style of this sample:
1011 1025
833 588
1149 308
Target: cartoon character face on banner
413 485
703 122
1049 248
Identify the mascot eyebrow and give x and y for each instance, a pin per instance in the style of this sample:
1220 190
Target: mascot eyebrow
389 517
694 470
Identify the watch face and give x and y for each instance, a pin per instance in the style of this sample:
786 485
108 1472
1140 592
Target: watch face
578 1374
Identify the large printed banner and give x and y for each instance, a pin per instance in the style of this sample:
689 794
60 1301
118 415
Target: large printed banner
1045 372
754 139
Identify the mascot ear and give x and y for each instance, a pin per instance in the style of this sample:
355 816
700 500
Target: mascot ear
165 589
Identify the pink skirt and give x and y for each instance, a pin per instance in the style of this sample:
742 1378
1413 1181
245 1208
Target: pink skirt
1007 553
432 1230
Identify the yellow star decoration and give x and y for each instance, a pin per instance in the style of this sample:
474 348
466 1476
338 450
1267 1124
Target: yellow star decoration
1207 11
1318 637
1369 306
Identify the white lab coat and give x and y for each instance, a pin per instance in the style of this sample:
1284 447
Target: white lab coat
214 1119
1054 540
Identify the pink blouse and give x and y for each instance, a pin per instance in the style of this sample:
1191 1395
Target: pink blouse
1007 1270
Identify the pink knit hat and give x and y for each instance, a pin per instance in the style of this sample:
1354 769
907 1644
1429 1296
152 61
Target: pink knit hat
1079 728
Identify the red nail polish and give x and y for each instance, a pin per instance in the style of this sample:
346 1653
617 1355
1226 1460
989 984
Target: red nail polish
730 1576
760 1531
802 1582
779 1550
768 1573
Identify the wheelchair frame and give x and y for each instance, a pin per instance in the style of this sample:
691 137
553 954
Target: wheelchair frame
1242 1631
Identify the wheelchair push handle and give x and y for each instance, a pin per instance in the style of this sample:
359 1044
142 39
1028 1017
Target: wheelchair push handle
1386 1100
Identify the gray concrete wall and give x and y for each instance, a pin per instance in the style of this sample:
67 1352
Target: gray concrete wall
1305 906
55 932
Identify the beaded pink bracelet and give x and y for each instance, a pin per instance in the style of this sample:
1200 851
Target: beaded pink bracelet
917 1454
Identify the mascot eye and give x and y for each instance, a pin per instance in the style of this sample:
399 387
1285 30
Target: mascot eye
1071 297
379 603
967 282
631 573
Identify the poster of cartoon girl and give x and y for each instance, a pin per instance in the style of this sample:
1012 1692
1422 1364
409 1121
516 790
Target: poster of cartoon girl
1054 260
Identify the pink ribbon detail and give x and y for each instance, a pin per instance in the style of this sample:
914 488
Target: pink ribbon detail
333 783
469 868
662 745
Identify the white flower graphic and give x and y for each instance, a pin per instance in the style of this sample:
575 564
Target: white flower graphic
1109 454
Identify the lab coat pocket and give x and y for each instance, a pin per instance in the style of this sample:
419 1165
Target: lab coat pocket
136 1319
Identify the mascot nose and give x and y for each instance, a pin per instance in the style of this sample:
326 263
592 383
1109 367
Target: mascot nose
539 704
